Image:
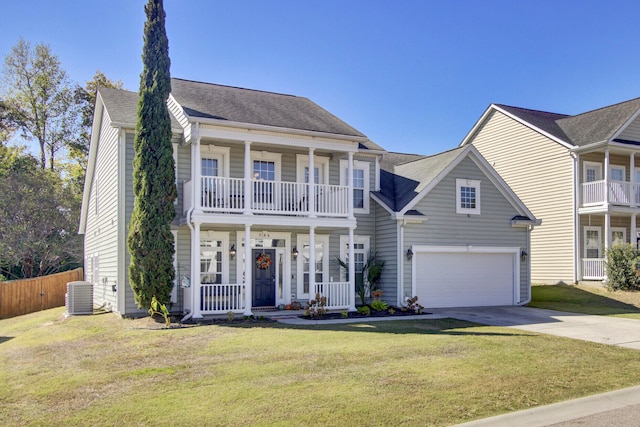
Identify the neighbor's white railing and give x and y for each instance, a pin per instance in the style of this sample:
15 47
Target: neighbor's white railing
337 294
619 193
221 298
593 268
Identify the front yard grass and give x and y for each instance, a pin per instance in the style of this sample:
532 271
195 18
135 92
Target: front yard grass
587 300
104 370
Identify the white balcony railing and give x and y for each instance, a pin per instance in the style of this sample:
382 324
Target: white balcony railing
619 193
592 268
221 194
337 294
221 298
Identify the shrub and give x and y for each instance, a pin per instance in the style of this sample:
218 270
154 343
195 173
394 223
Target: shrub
621 267
412 305
379 305
316 306
364 310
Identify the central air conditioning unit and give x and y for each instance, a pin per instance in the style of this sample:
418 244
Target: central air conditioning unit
79 298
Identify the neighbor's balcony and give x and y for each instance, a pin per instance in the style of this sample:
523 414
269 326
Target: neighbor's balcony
227 195
619 193
592 268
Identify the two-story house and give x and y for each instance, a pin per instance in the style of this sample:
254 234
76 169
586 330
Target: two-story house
577 172
272 189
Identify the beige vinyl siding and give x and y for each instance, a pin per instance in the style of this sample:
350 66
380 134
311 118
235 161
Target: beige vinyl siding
632 132
183 167
540 172
444 227
101 237
597 220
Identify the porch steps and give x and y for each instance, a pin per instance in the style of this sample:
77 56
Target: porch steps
265 308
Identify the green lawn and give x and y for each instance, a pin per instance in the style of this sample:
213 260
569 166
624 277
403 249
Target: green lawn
586 299
104 370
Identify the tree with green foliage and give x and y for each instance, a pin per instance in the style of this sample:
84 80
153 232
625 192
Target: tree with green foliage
150 240
39 98
38 219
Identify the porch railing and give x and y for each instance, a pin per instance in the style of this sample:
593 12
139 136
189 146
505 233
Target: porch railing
337 294
221 194
221 298
593 268
619 192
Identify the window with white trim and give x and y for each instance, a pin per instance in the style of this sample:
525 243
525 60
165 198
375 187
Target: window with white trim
618 173
321 269
360 183
360 254
467 196
591 171
214 251
592 242
618 236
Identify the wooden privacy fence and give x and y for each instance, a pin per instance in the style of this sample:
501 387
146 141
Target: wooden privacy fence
18 297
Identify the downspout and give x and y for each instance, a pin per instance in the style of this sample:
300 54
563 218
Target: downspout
576 219
399 255
189 215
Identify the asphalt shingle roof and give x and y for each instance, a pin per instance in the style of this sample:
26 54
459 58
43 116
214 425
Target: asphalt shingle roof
591 127
122 106
207 100
401 183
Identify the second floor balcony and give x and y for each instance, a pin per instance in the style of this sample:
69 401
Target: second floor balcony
230 195
621 193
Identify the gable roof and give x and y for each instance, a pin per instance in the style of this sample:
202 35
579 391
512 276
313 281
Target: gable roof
403 185
122 106
212 101
600 125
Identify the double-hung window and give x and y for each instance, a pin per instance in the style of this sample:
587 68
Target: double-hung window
468 196
360 177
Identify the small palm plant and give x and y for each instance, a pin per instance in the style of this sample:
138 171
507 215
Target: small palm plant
368 279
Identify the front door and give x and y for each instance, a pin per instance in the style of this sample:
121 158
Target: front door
264 277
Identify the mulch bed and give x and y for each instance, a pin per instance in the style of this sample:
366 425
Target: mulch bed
397 312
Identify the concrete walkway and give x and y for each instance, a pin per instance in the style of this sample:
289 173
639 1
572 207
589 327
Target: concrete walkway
601 329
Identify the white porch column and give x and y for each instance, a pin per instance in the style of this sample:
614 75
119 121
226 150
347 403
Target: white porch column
312 262
195 272
248 271
634 232
606 177
312 184
196 174
248 178
607 231
352 270
350 186
632 174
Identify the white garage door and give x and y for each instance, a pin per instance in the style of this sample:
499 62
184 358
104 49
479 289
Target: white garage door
464 279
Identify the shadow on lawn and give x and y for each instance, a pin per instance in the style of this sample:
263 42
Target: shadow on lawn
573 299
445 326
4 339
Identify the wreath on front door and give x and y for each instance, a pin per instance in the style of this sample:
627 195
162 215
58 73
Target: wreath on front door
263 261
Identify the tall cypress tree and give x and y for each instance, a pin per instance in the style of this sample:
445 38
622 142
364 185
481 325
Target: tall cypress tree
150 240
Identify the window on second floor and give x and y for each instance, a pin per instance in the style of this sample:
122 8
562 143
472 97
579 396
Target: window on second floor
468 196
360 184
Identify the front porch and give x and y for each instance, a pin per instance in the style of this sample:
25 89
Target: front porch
225 298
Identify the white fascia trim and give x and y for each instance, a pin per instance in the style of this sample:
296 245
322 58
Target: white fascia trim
381 203
250 126
98 115
492 107
435 181
206 219
626 124
174 131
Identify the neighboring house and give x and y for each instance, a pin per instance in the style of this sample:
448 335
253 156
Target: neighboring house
577 172
243 160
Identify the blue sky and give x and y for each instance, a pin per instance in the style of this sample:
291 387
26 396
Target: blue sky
412 75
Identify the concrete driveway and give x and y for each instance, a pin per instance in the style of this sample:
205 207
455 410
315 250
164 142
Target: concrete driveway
601 329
